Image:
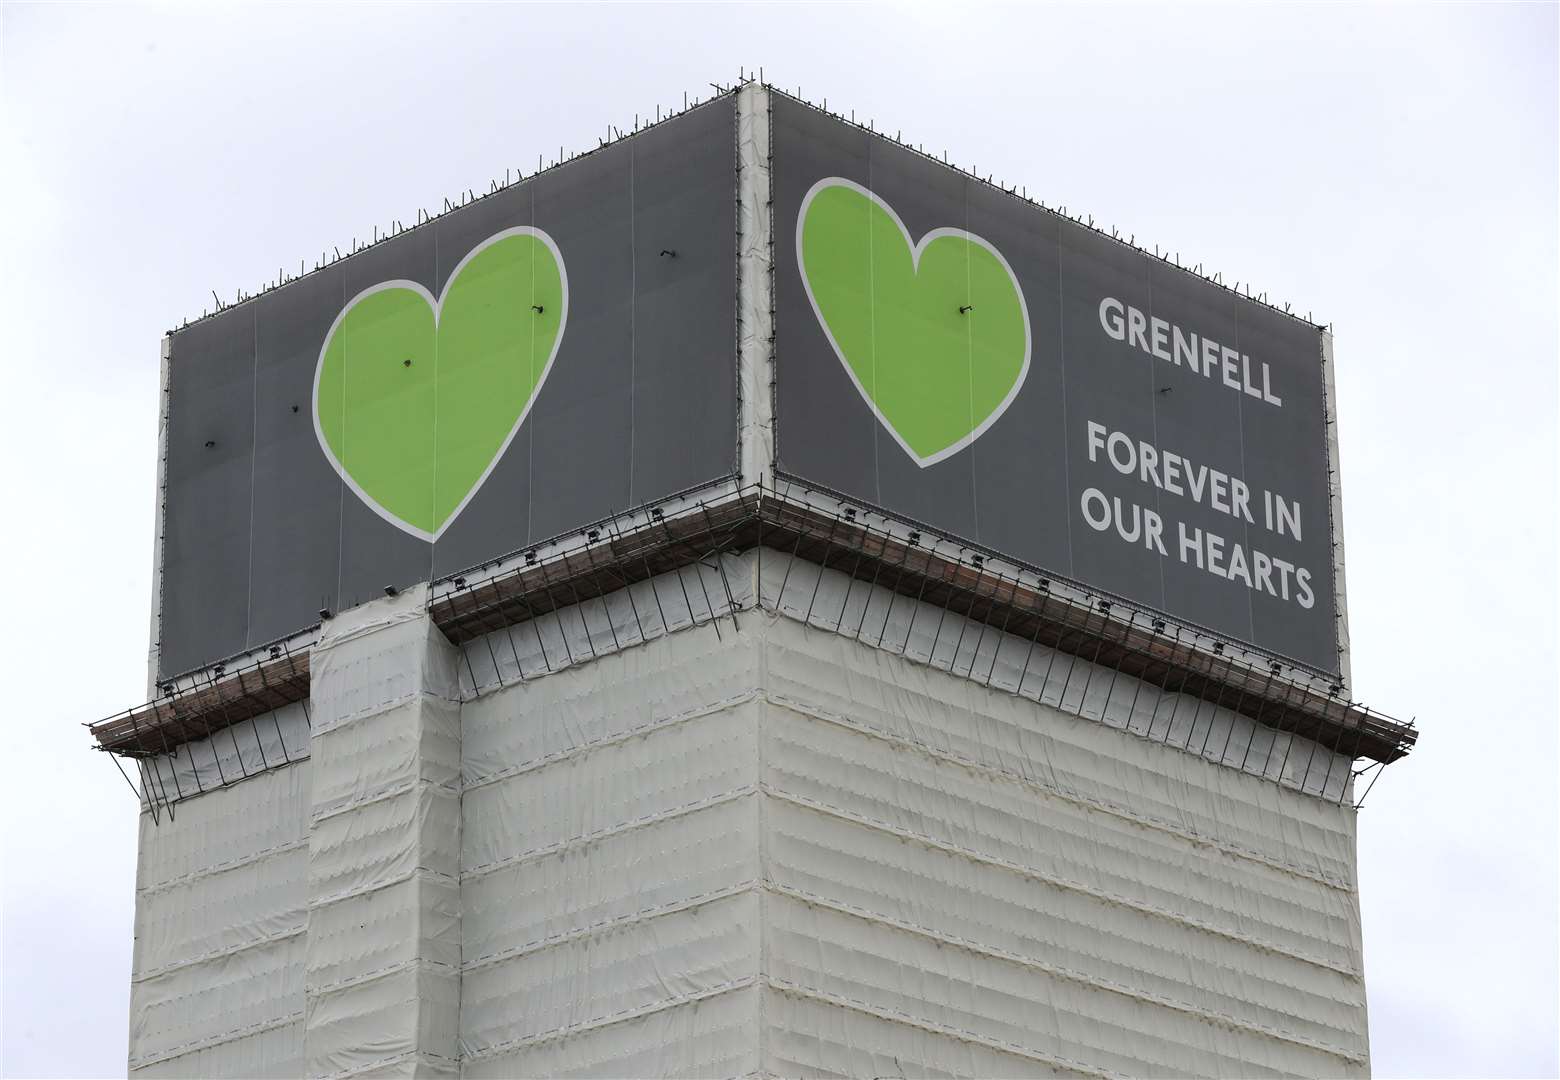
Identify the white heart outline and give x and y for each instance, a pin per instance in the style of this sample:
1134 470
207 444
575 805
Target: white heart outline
437 305
916 248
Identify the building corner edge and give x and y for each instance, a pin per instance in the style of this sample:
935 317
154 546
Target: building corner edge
1335 511
755 288
154 631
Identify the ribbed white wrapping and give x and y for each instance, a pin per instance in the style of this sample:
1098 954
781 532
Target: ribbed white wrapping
715 1034
762 847
265 1053
384 939
755 285
907 865
217 982
929 635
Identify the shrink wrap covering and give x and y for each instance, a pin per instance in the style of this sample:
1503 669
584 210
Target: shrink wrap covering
772 844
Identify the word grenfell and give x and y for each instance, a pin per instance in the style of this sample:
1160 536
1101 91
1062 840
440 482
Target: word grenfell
1200 355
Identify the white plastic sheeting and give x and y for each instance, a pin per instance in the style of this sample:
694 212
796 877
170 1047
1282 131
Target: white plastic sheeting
610 859
384 940
755 284
1055 887
221 915
1335 507
930 635
789 844
805 838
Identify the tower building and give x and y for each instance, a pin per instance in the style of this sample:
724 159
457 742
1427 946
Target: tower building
752 599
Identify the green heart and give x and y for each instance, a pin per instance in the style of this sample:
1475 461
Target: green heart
416 399
934 335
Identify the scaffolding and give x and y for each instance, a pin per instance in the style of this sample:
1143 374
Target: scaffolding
1102 636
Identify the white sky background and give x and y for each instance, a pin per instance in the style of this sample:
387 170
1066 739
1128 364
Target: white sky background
1392 169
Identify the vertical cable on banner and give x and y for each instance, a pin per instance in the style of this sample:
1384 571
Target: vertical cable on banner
254 453
633 316
872 303
530 429
969 357
438 315
341 484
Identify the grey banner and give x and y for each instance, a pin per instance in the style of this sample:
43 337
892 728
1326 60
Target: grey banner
1166 444
260 531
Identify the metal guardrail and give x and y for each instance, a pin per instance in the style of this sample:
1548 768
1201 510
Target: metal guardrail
1056 617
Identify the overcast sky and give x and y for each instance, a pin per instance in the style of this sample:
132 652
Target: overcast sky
1391 169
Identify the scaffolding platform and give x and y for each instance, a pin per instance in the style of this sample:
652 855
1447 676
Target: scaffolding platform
1108 633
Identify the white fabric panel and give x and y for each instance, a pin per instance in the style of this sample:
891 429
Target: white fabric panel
1108 859
597 628
226 828
383 953
221 911
273 1052
674 863
382 841
755 285
1173 916
810 1035
1335 506
998 1002
526 725
675 769
213 1001
377 656
880 692
653 965
164 399
942 639
611 851
715 1035
413 920
378 1024
998 911
418 739
218 966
